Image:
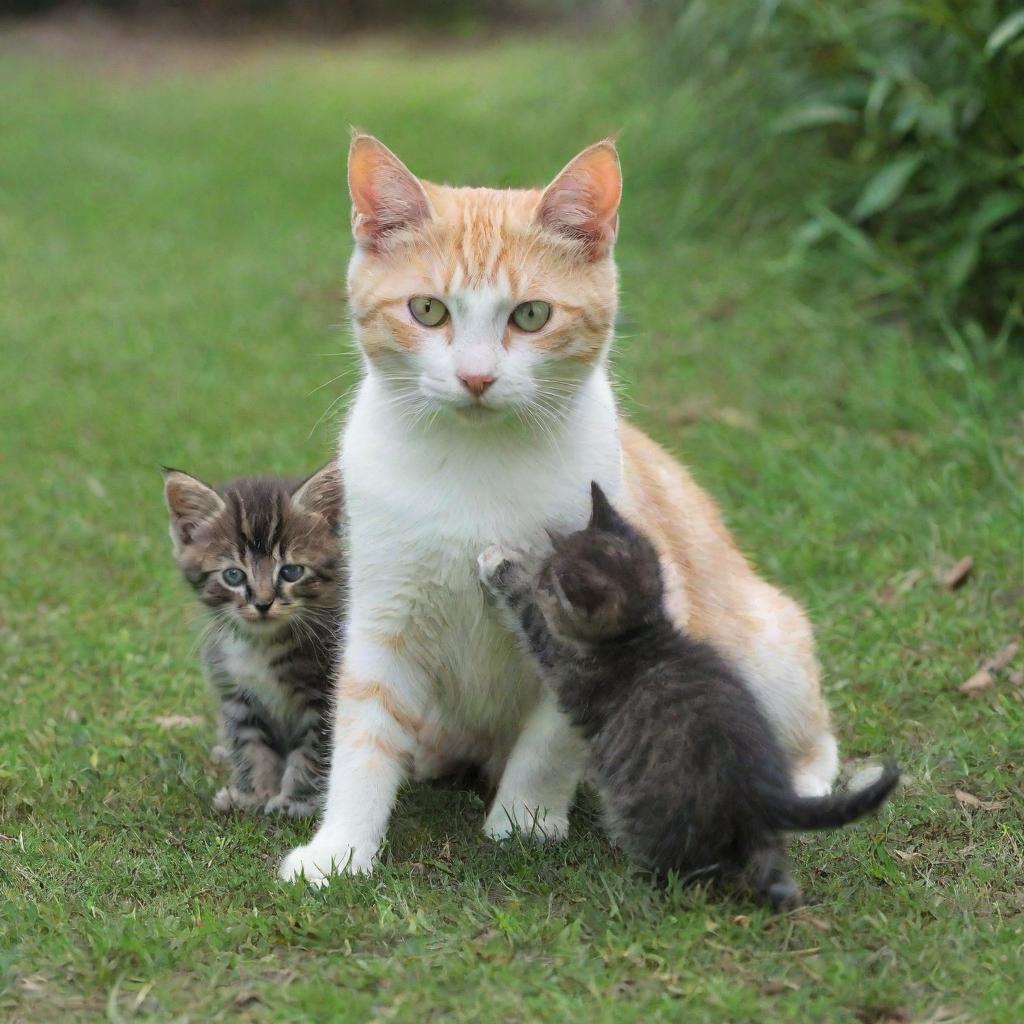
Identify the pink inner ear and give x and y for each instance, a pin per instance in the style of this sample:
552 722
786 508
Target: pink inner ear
386 195
583 201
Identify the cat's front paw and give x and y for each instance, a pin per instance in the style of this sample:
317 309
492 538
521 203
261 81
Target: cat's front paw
291 806
231 798
499 568
317 862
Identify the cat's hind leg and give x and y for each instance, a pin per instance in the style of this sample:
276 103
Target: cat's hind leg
815 773
540 779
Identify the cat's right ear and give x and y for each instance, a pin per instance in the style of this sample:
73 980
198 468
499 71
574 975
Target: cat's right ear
386 195
190 503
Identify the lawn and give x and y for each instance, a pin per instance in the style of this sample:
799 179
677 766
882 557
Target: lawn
172 247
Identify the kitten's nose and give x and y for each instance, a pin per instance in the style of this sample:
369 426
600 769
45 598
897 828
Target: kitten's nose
263 606
476 383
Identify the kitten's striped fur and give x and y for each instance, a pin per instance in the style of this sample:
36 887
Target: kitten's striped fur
269 648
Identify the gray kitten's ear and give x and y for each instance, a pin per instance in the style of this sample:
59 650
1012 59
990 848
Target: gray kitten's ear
321 493
190 503
603 516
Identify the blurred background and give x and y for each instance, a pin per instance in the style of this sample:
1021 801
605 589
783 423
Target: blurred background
822 275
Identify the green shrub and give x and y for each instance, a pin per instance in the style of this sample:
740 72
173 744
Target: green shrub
926 100
921 102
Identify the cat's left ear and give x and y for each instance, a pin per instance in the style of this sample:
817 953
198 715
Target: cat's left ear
583 201
321 493
603 515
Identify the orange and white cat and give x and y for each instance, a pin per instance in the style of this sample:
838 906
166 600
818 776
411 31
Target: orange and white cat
485 318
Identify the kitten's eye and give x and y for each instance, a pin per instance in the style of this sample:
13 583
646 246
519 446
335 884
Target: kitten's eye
233 577
291 573
531 316
428 311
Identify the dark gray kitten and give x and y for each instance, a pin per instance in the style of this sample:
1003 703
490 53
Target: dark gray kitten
691 775
264 557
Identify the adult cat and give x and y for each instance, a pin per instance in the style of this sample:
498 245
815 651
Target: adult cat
484 318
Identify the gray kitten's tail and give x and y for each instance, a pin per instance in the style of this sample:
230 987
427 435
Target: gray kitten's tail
796 813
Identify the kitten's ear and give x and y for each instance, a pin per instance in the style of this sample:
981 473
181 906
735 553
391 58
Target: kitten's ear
386 195
583 201
603 515
190 503
321 493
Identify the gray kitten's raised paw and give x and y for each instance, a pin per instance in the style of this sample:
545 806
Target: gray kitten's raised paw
491 564
291 806
501 569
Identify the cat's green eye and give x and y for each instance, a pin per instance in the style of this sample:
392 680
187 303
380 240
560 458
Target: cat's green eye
233 577
428 311
531 316
291 573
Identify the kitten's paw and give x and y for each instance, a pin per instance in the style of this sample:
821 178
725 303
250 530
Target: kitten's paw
231 798
500 569
502 823
317 862
220 754
491 564
292 806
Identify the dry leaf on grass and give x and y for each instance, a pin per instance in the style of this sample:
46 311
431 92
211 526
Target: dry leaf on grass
999 661
956 577
178 721
981 681
984 678
970 800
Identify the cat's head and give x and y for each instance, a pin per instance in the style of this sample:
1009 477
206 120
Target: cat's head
601 582
475 301
259 550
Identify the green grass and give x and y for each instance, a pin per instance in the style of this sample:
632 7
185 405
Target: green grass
172 249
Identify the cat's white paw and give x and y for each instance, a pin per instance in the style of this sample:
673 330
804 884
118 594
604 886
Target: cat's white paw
230 798
288 805
502 823
316 863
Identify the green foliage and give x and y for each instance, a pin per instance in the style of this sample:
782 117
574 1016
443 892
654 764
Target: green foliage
920 104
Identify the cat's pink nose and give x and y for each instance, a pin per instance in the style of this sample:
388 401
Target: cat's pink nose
476 383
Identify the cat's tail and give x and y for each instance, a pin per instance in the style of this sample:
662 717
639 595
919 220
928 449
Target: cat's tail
795 813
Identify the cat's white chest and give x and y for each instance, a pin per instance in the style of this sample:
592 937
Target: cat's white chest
420 512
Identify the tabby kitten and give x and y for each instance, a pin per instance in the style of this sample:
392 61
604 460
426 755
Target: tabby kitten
264 557
691 775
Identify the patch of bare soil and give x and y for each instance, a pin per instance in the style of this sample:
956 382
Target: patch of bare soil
134 50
